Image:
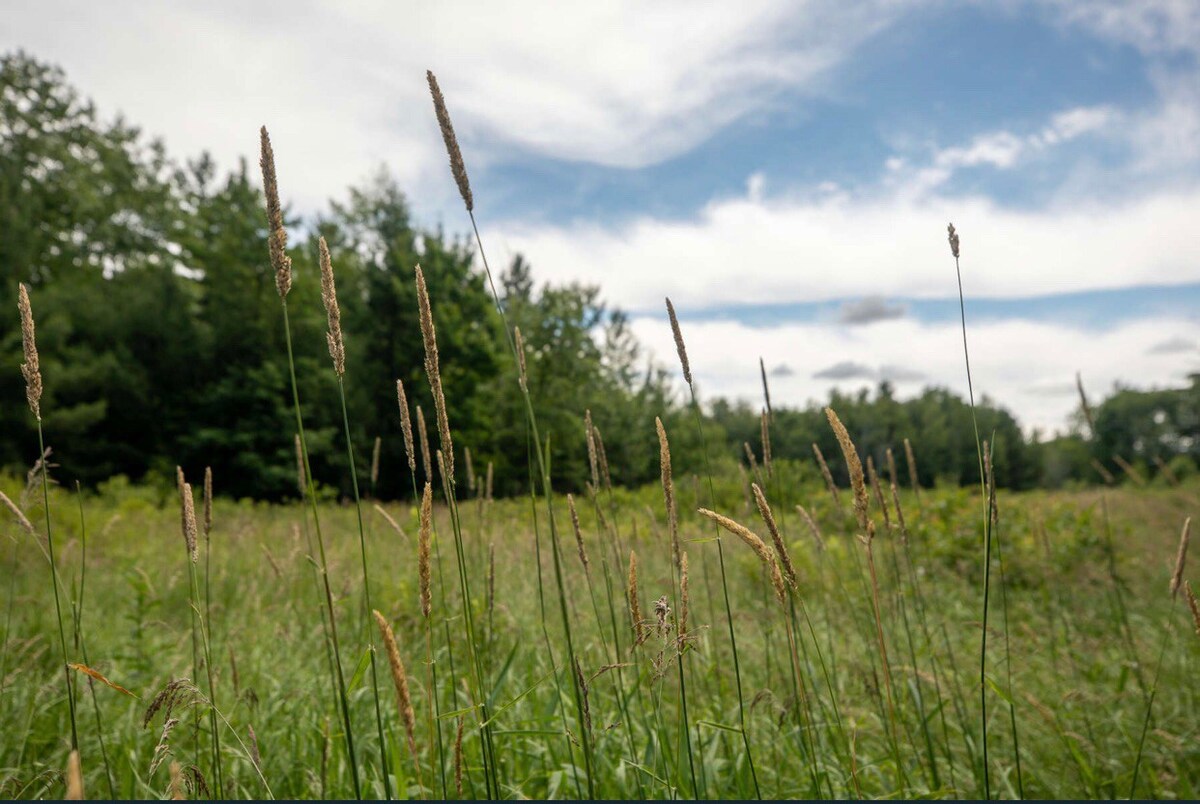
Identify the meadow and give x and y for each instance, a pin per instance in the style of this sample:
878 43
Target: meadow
764 631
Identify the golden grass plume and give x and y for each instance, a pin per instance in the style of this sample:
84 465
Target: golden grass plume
276 234
31 368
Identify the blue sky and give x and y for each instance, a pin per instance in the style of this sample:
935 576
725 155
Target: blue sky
784 171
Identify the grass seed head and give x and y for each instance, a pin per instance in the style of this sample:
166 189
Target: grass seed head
812 526
457 167
583 556
333 313
74 778
825 473
208 500
952 236
399 681
522 369
276 234
406 427
781 551
434 372
1181 556
31 368
424 539
1193 604
668 485
190 531
375 461
18 514
426 456
679 345
635 606
853 466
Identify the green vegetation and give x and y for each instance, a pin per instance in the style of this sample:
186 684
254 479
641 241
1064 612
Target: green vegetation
670 652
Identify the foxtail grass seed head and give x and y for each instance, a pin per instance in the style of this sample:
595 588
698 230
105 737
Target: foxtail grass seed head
375 461
1181 556
635 606
913 477
433 370
589 432
853 466
877 490
392 523
426 456
189 521
424 540
668 485
899 513
990 478
19 515
1166 471
522 369
765 426
952 236
825 473
31 368
891 467
74 778
255 756
399 680
777 583
752 539
333 313
684 598
208 500
781 551
602 457
762 369
583 556
487 494
406 427
1083 404
457 168
1193 604
662 611
812 526
276 234
679 345
750 459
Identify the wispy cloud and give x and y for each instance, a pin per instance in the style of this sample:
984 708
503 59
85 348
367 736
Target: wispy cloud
846 370
1174 346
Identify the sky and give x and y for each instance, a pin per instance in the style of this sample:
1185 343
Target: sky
784 171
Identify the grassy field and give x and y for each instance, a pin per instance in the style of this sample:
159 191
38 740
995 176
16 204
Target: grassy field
817 721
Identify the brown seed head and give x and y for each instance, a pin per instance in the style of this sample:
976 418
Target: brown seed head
765 426
433 371
752 539
583 556
762 369
953 238
406 428
825 473
488 485
1193 604
853 466
177 793
589 432
990 480
635 607
522 369
457 168
668 485
470 469
74 778
189 521
22 520
399 680
1181 556
913 477
1129 470
426 456
1103 472
602 457
31 368
392 523
424 539
781 551
684 598
333 313
458 759
208 500
276 234
679 346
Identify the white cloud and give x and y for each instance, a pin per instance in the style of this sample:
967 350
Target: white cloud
1028 367
342 84
739 250
1152 26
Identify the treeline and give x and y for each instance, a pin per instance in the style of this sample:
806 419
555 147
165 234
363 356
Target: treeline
161 338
